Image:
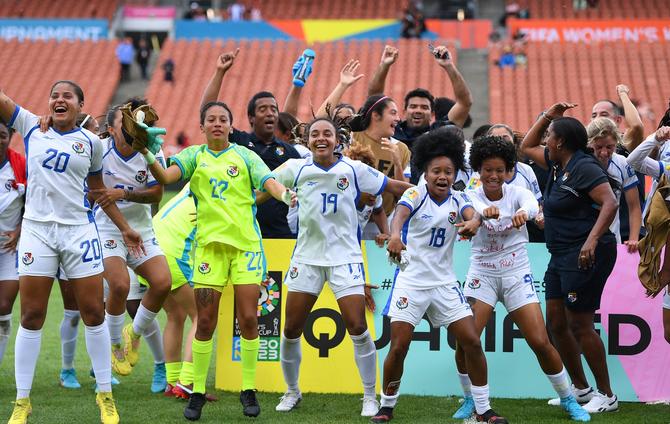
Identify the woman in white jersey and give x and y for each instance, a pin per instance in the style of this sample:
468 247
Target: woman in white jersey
500 268
425 225
58 229
11 210
328 249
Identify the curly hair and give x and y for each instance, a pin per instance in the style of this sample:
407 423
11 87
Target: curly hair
445 141
362 153
491 146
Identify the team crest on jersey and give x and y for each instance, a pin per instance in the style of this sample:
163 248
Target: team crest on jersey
110 244
474 284
294 272
342 183
141 176
572 297
78 147
402 303
27 258
452 217
233 171
565 177
279 151
204 268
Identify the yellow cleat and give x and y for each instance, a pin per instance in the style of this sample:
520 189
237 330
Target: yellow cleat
22 410
108 414
120 363
132 342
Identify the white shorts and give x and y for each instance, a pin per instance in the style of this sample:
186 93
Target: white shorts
344 280
46 245
112 245
666 298
513 292
8 266
136 291
443 305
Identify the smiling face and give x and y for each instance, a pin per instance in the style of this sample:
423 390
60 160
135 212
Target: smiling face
64 105
603 149
216 126
605 110
266 115
322 141
492 174
440 174
418 112
385 123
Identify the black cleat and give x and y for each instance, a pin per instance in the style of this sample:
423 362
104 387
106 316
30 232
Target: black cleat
491 417
194 408
384 415
250 406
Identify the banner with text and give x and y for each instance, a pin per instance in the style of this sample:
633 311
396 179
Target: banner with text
53 29
592 31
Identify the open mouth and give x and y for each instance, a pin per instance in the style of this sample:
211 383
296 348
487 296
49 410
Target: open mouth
60 109
441 185
321 146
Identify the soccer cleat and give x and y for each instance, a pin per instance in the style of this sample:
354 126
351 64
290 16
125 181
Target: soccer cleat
582 396
194 408
370 407
577 413
120 364
108 414
384 415
169 391
466 410
490 417
289 401
600 402
183 391
132 345
22 410
68 379
250 406
159 381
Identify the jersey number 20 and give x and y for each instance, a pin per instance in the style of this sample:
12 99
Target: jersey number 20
56 160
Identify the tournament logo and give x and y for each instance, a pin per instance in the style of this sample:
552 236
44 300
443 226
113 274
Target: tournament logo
110 244
269 297
27 258
204 268
402 303
141 176
474 284
279 151
572 297
294 272
452 217
78 147
233 171
343 183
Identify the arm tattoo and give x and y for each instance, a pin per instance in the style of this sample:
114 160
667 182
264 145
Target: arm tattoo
141 196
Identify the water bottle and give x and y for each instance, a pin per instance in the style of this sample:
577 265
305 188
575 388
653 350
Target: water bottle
305 68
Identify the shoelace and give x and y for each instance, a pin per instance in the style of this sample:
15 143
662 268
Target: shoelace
108 406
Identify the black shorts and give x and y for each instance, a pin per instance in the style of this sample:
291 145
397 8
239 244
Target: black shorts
581 289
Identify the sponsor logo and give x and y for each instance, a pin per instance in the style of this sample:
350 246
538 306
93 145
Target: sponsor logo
154 241
342 183
373 172
8 185
474 284
294 272
109 173
402 303
452 217
233 171
572 297
78 147
425 217
279 151
110 244
204 268
141 176
311 183
203 165
27 258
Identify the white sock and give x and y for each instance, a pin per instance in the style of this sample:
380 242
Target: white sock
5 331
115 324
561 383
480 394
153 338
465 384
26 351
69 327
290 356
143 319
99 350
389 401
365 355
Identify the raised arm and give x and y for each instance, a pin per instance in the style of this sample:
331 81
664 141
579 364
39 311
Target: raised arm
348 78
378 81
223 64
530 146
7 107
639 158
635 132
458 114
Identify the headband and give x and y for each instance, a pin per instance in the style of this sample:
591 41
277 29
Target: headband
375 104
84 121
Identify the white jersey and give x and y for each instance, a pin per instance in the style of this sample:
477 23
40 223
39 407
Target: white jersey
523 177
292 215
328 229
365 214
429 234
11 200
498 247
57 165
129 173
640 161
619 170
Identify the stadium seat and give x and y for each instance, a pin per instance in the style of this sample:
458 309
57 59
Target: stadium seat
606 9
101 9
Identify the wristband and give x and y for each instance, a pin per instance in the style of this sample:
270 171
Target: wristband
149 157
544 115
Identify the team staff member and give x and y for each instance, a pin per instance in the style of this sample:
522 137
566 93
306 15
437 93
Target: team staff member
579 207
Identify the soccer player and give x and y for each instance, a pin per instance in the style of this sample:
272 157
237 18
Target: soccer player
500 268
328 249
425 225
58 229
228 244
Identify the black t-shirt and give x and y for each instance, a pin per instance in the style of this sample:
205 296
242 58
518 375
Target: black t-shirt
569 212
271 215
